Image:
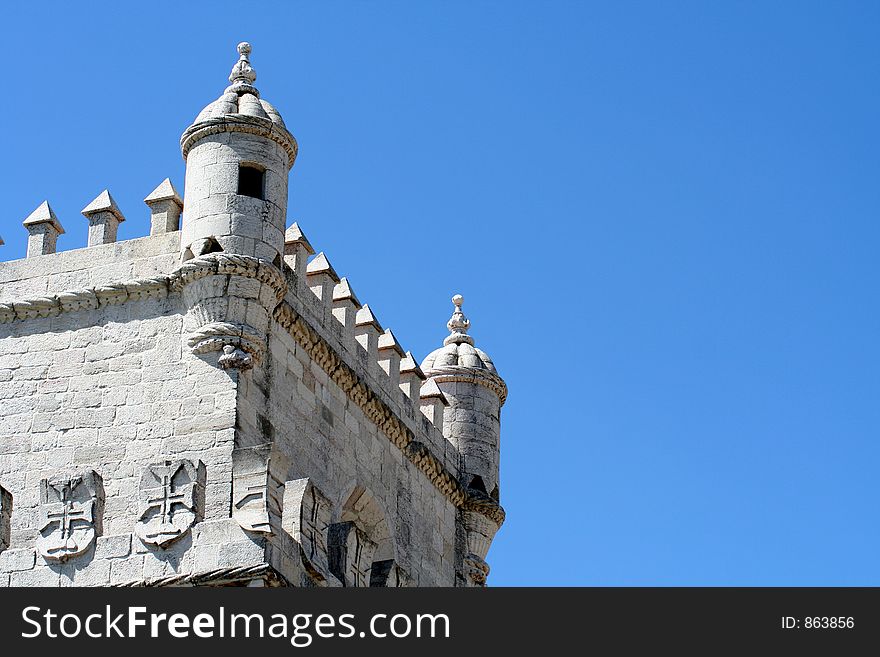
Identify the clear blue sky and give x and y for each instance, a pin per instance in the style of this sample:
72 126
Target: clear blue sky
663 218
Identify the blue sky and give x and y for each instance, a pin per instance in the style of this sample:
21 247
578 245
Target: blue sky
663 218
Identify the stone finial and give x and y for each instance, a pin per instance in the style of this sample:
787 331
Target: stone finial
243 74
104 218
321 265
365 317
458 324
388 342
297 250
43 230
165 207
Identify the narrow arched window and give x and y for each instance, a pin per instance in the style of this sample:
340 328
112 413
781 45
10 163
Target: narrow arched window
250 181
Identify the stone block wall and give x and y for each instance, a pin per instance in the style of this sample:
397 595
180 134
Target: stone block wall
316 468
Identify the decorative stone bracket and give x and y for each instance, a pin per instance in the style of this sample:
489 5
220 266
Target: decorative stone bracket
230 300
479 530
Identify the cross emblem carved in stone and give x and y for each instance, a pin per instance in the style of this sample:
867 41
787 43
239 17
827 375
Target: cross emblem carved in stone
67 514
168 501
64 513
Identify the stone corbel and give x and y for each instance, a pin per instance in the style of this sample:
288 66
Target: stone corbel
479 532
476 570
230 299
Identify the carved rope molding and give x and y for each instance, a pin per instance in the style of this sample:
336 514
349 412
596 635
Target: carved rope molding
450 373
254 125
137 290
382 415
318 349
218 577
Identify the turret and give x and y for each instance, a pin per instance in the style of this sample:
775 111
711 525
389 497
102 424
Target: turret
238 156
472 423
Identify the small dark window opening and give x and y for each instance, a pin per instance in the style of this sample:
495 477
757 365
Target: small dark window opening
477 484
250 181
207 245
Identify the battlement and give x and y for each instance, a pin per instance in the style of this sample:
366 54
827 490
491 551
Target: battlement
54 279
103 260
222 356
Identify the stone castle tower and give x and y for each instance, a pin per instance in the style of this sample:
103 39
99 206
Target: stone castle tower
209 405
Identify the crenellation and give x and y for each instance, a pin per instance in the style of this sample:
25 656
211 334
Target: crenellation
411 377
297 250
104 218
345 309
389 354
321 279
43 230
165 208
433 401
213 420
367 331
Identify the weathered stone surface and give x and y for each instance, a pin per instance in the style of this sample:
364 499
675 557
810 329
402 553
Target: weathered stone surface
307 514
165 207
5 517
254 490
70 512
43 230
171 494
351 554
16 560
196 370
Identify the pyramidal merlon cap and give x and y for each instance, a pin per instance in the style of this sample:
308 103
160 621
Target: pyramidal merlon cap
388 340
321 265
43 215
365 317
342 291
103 203
164 192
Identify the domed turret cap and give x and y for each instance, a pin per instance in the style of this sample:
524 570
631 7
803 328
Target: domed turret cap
459 360
241 103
